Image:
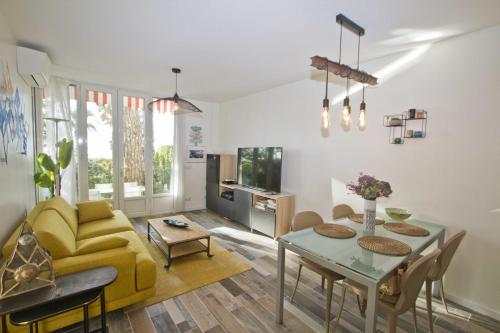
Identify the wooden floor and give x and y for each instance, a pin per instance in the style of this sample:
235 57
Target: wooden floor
246 302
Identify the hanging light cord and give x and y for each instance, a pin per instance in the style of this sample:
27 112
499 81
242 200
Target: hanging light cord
340 47
326 90
176 83
359 44
347 88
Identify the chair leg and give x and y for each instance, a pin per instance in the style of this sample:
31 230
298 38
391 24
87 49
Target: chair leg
392 323
361 305
322 283
296 283
344 289
329 294
428 297
441 291
414 311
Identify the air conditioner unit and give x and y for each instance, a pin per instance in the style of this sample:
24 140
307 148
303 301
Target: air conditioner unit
33 66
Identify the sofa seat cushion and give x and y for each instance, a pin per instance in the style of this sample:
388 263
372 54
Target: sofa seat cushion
54 234
67 212
145 266
118 223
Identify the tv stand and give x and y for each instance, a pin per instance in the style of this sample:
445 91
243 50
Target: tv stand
267 212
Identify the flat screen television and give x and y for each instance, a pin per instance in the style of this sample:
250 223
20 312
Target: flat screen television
260 168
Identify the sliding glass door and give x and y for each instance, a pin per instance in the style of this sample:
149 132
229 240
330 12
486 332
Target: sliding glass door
126 151
98 141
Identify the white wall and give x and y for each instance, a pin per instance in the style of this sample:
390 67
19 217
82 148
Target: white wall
451 177
195 173
17 190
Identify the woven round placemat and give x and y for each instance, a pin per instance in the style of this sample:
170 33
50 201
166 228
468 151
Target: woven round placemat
406 229
358 218
384 245
334 230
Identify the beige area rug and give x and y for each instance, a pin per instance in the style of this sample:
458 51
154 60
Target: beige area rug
191 272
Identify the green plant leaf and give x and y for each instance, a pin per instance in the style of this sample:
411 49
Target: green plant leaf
46 162
44 179
65 152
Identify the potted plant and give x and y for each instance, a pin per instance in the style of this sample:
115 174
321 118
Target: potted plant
48 172
369 188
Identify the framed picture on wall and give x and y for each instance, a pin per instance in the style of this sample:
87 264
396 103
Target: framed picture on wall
196 154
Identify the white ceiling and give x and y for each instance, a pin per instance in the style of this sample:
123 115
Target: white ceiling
227 48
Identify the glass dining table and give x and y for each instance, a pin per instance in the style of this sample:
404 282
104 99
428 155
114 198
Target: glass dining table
346 257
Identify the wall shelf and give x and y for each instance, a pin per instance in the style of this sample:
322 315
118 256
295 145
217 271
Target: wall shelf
411 124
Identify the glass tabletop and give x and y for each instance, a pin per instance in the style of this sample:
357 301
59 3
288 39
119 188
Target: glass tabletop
348 253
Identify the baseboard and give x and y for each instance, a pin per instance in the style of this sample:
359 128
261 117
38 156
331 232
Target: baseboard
484 310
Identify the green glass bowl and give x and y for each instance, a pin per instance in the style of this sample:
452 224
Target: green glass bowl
398 214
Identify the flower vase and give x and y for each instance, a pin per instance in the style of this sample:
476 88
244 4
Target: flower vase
369 216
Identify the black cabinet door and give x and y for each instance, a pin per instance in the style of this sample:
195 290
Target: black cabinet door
242 205
213 168
213 197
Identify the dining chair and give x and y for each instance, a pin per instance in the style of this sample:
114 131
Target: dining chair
439 269
342 211
305 220
411 282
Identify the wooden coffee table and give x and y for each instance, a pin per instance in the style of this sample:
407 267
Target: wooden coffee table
179 242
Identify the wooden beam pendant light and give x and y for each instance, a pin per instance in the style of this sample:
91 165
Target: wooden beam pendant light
347 72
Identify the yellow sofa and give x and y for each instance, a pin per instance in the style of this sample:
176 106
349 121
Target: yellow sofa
78 246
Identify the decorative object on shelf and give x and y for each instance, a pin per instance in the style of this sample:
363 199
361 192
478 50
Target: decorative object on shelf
334 230
398 214
48 173
384 245
28 267
175 104
370 188
411 124
406 229
344 71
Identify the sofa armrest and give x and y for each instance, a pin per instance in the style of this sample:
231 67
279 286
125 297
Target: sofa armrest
123 259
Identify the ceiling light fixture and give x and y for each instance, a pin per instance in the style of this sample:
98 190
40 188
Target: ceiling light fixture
345 71
175 104
325 118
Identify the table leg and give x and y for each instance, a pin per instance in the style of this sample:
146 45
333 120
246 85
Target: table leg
208 248
149 232
103 313
4 324
280 296
31 327
371 309
86 318
435 284
169 258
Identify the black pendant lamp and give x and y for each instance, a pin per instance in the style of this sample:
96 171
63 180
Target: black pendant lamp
175 104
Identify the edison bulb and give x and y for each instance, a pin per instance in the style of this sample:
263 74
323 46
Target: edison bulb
346 115
176 106
325 118
362 116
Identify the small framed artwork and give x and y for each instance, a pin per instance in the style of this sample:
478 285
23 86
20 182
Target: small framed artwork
196 154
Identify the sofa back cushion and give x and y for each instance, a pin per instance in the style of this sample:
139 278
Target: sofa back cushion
54 234
11 242
67 212
89 211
